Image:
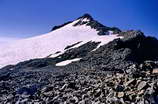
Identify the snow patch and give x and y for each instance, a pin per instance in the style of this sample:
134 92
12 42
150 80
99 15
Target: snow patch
105 40
56 54
66 62
110 32
7 40
85 20
11 69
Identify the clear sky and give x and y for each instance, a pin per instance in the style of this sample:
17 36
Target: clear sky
26 18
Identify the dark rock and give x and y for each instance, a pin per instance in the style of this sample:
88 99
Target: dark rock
70 46
131 81
119 88
72 85
5 76
79 52
86 15
28 90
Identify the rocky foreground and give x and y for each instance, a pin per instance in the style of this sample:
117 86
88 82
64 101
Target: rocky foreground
88 86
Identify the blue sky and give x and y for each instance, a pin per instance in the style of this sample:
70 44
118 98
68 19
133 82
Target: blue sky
27 18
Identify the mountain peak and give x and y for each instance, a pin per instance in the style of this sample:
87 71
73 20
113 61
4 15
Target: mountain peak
88 20
87 16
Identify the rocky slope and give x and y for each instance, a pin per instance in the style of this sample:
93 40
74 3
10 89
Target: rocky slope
122 71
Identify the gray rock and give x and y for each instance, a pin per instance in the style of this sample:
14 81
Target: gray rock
142 85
